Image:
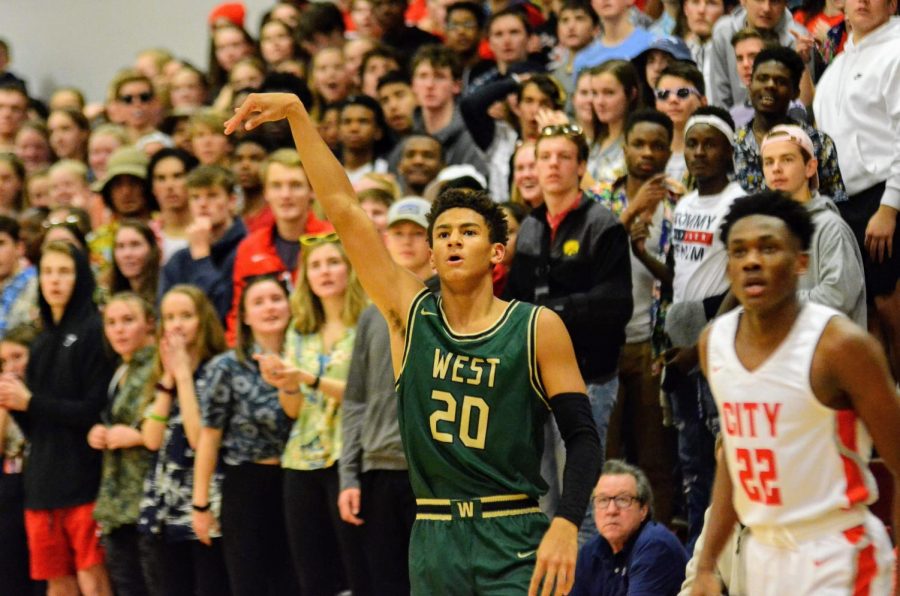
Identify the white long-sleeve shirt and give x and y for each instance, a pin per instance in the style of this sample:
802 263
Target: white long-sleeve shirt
858 104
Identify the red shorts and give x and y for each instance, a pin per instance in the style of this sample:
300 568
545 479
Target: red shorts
62 541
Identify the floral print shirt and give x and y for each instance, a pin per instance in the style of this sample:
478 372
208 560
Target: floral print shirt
18 299
606 166
246 408
614 198
315 439
748 162
166 509
124 470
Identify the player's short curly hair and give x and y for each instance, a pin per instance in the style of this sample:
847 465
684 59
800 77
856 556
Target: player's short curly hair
774 204
478 201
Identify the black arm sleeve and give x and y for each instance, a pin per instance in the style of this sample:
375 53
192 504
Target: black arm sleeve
572 412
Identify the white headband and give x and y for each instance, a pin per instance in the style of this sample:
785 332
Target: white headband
715 122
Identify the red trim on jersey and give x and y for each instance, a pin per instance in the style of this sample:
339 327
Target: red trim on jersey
866 567
856 490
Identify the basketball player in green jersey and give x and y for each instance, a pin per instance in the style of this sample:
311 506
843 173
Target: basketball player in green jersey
476 376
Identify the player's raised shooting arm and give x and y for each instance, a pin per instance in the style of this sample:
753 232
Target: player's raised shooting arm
388 285
853 364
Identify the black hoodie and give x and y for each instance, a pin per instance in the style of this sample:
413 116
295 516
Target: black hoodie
68 373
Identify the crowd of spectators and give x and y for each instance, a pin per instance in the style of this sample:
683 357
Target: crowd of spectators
151 266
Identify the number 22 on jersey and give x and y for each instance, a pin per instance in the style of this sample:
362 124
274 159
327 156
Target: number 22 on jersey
758 475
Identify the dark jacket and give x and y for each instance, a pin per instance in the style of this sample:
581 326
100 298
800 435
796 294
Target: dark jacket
371 432
588 280
651 563
68 374
212 274
406 40
474 109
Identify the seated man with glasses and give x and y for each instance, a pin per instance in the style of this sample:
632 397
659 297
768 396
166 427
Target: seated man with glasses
633 554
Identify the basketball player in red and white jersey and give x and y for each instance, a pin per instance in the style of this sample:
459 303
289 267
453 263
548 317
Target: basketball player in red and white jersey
802 393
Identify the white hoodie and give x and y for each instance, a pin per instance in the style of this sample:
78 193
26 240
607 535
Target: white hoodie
858 104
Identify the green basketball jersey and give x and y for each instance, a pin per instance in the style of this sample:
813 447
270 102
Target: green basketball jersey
472 407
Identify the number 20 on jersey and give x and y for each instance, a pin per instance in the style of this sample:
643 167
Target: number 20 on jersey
473 419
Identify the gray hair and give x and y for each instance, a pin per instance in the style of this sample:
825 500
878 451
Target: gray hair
618 467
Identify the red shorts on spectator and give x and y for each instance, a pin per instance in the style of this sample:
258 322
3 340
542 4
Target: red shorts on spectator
62 541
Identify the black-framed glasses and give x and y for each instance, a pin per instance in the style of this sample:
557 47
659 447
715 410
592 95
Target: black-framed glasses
144 97
680 93
317 239
621 501
569 130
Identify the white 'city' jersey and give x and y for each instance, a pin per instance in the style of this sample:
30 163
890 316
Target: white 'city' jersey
791 459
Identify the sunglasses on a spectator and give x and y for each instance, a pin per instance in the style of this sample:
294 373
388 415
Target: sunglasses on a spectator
144 97
680 93
309 240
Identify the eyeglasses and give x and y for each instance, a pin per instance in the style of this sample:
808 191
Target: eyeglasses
621 501
680 93
144 97
317 239
569 130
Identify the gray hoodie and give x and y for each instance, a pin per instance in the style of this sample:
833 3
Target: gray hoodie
835 273
459 146
371 432
724 87
834 276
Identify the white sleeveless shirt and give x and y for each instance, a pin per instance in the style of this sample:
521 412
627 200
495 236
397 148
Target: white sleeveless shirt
791 459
